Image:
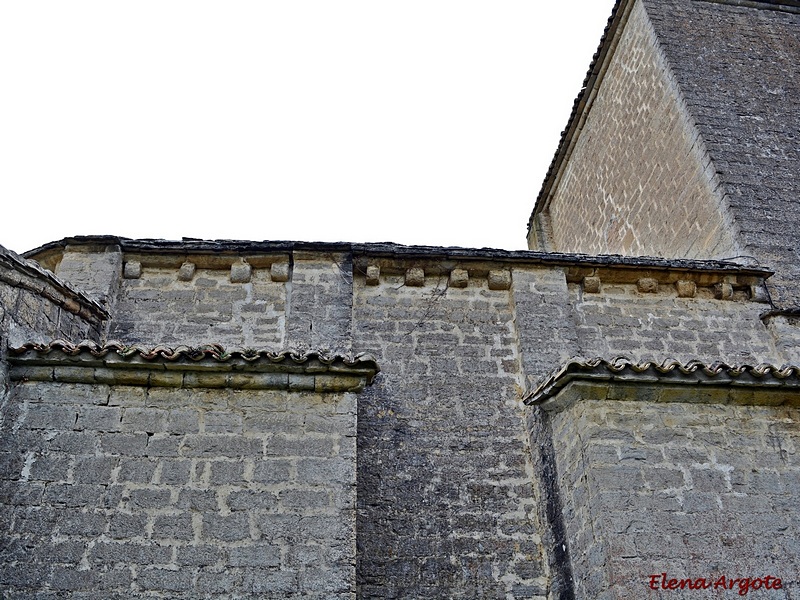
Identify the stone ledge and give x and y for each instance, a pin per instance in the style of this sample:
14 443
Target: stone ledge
668 381
208 366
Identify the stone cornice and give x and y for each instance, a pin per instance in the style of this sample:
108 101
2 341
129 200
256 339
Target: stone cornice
670 381
209 366
366 253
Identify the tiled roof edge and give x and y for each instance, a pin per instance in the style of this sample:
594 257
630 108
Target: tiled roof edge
695 372
205 353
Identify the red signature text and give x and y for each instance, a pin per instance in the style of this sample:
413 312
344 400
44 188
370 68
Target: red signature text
742 584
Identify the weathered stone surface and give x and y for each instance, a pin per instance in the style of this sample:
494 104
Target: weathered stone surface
640 481
279 272
686 289
187 271
140 503
241 272
647 285
499 280
459 278
415 277
591 285
132 269
373 275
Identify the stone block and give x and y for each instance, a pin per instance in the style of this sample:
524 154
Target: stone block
647 285
459 278
723 291
415 277
262 555
214 446
373 275
142 554
304 500
132 270
125 526
175 472
186 271
272 471
591 285
227 473
230 528
279 272
137 470
198 500
165 580
499 280
94 469
99 418
241 272
758 293
686 289
199 556
175 527
150 498
250 500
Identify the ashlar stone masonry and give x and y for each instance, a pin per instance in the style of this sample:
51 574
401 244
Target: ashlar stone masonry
594 418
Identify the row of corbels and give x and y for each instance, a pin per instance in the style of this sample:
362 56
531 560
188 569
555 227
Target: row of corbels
684 288
241 271
458 278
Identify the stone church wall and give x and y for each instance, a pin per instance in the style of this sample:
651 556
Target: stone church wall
638 181
700 490
433 481
114 490
447 506
36 306
658 324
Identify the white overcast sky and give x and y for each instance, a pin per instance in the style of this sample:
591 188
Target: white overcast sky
413 121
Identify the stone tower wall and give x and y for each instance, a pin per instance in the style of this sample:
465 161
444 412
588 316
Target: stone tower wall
639 180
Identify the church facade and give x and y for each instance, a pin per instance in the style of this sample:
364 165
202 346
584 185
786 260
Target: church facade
610 414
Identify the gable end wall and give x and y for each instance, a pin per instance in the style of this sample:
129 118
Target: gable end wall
639 180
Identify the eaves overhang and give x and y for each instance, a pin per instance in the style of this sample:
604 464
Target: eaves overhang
694 381
208 366
363 253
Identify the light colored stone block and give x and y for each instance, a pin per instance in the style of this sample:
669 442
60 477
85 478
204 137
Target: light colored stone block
686 289
647 285
459 278
415 277
591 285
279 272
499 280
132 270
373 275
241 272
186 272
